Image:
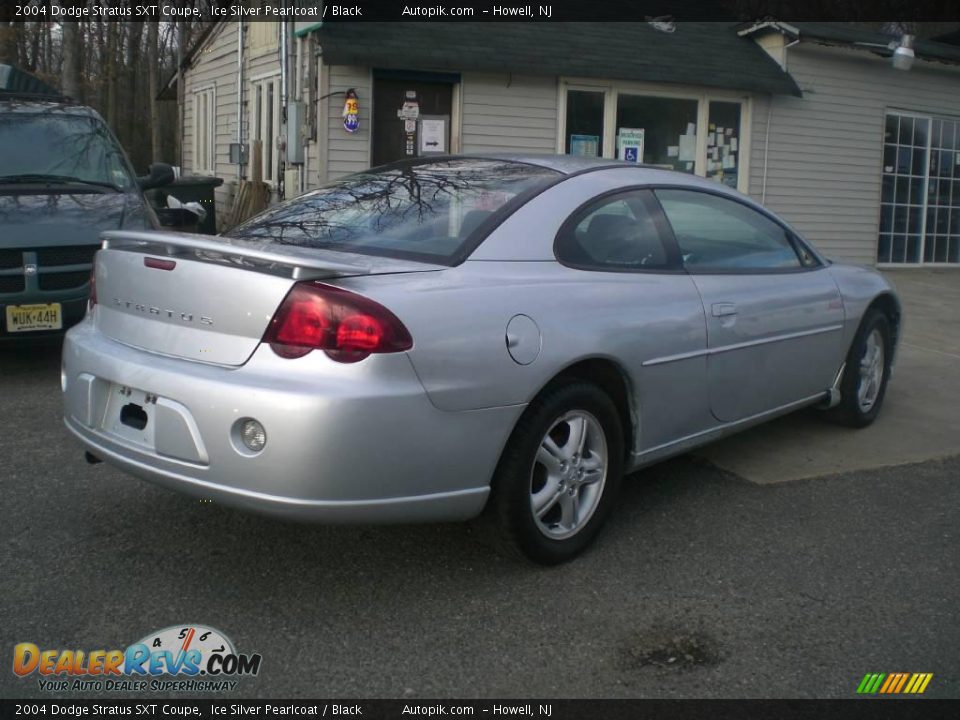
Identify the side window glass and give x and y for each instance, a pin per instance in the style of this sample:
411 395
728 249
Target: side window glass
715 233
616 233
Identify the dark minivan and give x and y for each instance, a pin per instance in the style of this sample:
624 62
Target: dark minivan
64 179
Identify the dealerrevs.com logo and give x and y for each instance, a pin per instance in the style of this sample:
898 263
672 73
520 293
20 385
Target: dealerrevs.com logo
189 658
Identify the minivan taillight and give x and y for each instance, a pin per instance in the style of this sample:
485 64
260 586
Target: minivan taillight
346 326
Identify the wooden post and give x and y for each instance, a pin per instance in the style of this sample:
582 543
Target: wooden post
256 163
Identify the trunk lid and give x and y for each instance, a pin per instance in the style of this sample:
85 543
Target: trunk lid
204 299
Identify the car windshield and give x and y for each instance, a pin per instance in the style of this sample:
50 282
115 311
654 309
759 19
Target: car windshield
55 146
420 211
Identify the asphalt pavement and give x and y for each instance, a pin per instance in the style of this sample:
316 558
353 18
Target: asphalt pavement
703 585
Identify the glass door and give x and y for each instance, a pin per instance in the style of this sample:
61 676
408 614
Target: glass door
920 195
942 237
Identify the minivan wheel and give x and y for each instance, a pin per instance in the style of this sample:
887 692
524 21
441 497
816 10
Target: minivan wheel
864 382
559 474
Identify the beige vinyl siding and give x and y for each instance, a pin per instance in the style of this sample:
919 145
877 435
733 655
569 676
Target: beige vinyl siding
504 113
216 67
346 152
825 151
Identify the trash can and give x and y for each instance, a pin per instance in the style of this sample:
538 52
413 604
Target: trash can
192 188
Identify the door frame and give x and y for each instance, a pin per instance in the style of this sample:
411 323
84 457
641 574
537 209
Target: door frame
455 79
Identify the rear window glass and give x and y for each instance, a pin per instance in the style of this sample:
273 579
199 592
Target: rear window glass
426 211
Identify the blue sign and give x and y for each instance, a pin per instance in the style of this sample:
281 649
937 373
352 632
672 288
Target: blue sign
630 153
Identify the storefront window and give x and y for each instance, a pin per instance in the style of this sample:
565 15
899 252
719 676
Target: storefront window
668 127
584 134
700 133
723 143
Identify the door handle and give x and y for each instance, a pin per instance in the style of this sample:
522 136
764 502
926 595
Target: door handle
723 309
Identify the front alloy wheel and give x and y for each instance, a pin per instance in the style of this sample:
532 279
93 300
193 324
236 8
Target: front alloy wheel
871 371
865 375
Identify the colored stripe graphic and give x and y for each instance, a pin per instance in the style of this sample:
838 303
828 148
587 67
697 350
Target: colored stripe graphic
903 679
894 683
870 683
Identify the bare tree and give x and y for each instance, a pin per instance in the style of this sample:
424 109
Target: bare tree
9 36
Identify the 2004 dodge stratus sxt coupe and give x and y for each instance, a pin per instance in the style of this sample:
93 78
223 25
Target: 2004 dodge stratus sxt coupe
426 339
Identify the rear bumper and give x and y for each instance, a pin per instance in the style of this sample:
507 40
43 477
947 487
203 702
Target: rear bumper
345 443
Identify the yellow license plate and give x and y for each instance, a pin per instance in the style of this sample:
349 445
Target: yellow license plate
26 318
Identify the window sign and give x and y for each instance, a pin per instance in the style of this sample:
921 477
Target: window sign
433 134
584 145
630 144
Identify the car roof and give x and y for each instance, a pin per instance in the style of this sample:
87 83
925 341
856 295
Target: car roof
570 165
574 165
566 164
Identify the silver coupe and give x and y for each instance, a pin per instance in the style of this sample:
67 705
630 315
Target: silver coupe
434 338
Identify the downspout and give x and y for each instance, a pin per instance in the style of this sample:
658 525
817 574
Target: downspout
302 76
766 150
283 99
181 91
240 98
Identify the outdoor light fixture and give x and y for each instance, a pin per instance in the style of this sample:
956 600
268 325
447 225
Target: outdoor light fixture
903 55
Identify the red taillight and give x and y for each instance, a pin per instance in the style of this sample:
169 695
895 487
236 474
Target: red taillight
347 326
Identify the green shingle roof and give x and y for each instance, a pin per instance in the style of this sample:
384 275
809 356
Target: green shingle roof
709 54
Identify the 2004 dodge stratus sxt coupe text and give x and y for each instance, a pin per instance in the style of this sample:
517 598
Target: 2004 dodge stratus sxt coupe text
428 339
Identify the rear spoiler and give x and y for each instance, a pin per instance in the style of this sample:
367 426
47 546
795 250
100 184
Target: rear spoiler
303 264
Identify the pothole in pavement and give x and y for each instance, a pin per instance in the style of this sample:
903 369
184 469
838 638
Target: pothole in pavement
676 649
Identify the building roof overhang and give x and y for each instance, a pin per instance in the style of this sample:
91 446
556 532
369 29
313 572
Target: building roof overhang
707 54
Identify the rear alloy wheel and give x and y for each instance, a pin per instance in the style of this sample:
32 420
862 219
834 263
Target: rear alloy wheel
864 382
559 473
568 475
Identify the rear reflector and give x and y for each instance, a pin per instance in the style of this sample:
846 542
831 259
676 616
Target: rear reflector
346 326
159 264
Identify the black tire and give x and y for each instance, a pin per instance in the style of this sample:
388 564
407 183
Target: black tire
516 476
850 412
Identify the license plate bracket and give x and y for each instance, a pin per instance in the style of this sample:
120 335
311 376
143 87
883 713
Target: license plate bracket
129 415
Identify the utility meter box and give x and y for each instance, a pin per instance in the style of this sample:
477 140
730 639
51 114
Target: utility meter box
296 117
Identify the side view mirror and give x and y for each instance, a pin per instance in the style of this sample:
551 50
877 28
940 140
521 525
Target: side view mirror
160 174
